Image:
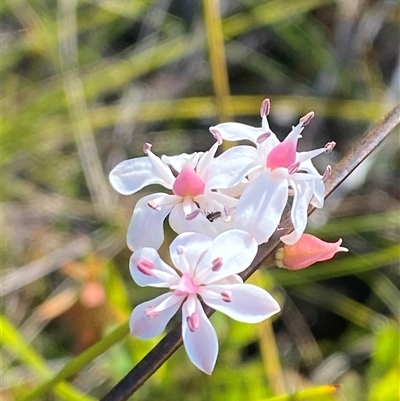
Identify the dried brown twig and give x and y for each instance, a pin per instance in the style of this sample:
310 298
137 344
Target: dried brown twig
173 340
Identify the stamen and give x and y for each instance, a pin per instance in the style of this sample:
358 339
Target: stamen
307 118
217 135
226 296
192 215
150 312
294 168
327 173
263 137
193 321
265 107
216 264
228 214
145 266
146 147
154 206
329 146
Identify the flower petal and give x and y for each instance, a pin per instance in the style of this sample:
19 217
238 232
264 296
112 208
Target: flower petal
319 186
237 131
303 192
232 166
261 205
205 161
199 224
132 175
233 249
146 225
157 274
247 303
201 345
177 162
186 249
146 325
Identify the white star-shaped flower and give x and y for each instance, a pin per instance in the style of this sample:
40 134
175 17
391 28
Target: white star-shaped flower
274 171
206 268
194 196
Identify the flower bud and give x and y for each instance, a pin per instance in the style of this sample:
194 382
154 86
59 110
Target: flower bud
307 251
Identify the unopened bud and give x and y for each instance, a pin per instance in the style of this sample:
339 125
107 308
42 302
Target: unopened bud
308 250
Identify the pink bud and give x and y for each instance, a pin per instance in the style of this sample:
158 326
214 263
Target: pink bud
307 251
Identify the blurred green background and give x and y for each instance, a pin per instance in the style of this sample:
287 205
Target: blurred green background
86 83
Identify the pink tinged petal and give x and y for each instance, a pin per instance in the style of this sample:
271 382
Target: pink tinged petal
307 251
199 224
230 253
283 155
230 168
148 269
150 318
132 175
188 184
199 337
303 192
146 225
186 250
261 205
238 131
243 302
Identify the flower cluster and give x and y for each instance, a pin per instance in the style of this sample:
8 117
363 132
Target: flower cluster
221 208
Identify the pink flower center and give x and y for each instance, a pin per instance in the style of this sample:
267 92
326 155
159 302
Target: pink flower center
282 155
186 286
188 184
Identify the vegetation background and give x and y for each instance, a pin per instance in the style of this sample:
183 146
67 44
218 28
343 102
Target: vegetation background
86 83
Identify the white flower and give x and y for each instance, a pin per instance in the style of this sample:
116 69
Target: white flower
274 170
193 196
208 269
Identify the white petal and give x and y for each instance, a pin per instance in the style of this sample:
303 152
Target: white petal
303 191
238 131
235 248
261 205
186 249
143 326
205 161
249 303
230 168
199 224
319 186
201 345
162 275
304 156
146 225
177 162
132 175
319 194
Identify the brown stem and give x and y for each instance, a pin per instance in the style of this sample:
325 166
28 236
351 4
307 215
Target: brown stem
173 339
